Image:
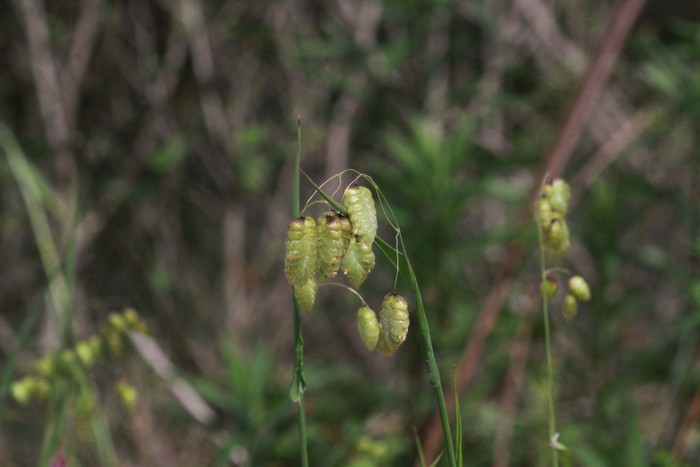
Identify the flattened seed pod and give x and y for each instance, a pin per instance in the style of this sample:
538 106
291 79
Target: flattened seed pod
578 287
346 227
358 262
368 327
330 247
556 238
544 212
306 295
559 195
384 346
393 319
300 262
570 307
363 215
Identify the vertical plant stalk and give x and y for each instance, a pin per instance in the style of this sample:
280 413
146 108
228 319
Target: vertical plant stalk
426 348
548 350
296 391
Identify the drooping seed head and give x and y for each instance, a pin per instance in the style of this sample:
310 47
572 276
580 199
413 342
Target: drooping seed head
368 327
578 287
570 307
394 323
359 260
306 294
549 288
330 247
300 261
362 213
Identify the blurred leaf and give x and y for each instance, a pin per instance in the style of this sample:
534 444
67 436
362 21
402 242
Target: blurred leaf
167 157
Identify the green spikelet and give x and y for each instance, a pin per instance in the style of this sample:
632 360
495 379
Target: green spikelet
548 288
300 262
559 195
358 262
368 327
363 215
578 287
330 247
570 306
394 321
556 236
306 295
346 228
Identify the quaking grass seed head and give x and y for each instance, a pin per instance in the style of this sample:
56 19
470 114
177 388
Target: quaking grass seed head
368 327
578 287
556 236
549 288
559 196
300 260
306 294
330 248
394 323
358 261
362 213
570 307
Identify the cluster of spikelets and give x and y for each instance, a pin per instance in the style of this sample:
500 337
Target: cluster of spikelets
318 248
69 363
552 206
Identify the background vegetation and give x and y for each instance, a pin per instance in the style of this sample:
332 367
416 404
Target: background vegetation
147 156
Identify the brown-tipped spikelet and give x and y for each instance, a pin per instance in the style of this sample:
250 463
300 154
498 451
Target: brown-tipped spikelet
358 262
306 295
578 287
300 262
330 247
394 322
363 215
368 327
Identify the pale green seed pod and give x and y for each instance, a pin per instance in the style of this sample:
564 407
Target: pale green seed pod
329 252
548 288
306 295
394 322
362 212
127 394
570 307
544 212
578 287
559 196
368 327
359 260
85 353
300 261
384 346
21 391
556 236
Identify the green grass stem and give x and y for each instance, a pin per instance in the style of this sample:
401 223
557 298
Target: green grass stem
298 382
548 350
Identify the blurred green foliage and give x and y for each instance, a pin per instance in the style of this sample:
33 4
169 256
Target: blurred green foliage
169 192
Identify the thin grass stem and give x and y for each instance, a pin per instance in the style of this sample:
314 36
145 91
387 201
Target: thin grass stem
548 350
298 382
